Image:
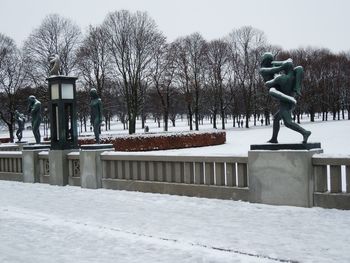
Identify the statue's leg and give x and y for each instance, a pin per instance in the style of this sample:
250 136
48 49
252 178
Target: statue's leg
36 131
276 127
288 122
97 132
18 135
281 96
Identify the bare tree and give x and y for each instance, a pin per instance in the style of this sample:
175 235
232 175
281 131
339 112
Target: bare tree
55 35
190 65
247 46
94 65
133 39
197 47
12 81
218 74
163 71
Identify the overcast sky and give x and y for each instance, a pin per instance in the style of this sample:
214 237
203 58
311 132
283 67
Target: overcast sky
289 24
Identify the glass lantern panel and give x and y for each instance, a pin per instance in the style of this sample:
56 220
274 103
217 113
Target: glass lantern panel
67 91
54 92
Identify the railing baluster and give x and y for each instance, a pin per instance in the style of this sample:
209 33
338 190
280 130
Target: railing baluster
209 173
120 170
320 178
347 178
159 172
110 169
127 172
178 172
231 174
220 173
135 170
188 172
151 171
169 172
242 175
199 173
335 174
143 171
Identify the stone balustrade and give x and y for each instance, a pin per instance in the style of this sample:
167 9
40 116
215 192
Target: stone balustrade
203 176
331 181
11 166
223 177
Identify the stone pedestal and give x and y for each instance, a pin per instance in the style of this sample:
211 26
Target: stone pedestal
59 167
91 165
30 162
281 177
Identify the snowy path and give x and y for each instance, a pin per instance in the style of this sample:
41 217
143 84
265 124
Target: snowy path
42 223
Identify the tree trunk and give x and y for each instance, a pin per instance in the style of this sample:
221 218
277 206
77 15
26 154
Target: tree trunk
222 119
190 117
132 124
214 119
166 119
10 127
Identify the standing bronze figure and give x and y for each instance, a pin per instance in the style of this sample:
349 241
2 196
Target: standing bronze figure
283 87
34 108
96 113
19 117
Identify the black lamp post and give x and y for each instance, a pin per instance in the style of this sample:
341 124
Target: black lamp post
63 113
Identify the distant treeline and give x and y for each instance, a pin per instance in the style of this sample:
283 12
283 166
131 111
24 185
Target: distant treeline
138 73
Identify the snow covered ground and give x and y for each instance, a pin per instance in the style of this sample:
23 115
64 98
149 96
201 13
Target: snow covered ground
43 223
333 136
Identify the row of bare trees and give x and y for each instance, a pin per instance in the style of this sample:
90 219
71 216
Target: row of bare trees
138 73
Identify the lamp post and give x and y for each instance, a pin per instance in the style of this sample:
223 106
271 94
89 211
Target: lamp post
63 115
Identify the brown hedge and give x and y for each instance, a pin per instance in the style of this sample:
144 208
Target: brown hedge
159 141
5 140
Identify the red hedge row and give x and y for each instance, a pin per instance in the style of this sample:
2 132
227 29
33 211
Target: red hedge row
159 141
5 140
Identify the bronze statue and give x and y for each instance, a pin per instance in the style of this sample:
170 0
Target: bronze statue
54 64
283 87
19 117
96 113
34 108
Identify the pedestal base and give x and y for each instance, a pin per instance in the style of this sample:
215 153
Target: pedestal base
30 162
286 146
281 177
91 166
58 167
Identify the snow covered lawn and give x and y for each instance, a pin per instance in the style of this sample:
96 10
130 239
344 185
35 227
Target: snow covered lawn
43 223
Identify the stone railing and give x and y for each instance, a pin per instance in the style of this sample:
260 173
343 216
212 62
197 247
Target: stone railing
312 178
44 167
212 177
11 166
331 181
73 168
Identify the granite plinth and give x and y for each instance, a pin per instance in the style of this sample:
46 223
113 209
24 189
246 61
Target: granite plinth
286 146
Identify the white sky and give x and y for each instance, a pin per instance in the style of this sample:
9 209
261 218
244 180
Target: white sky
289 24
